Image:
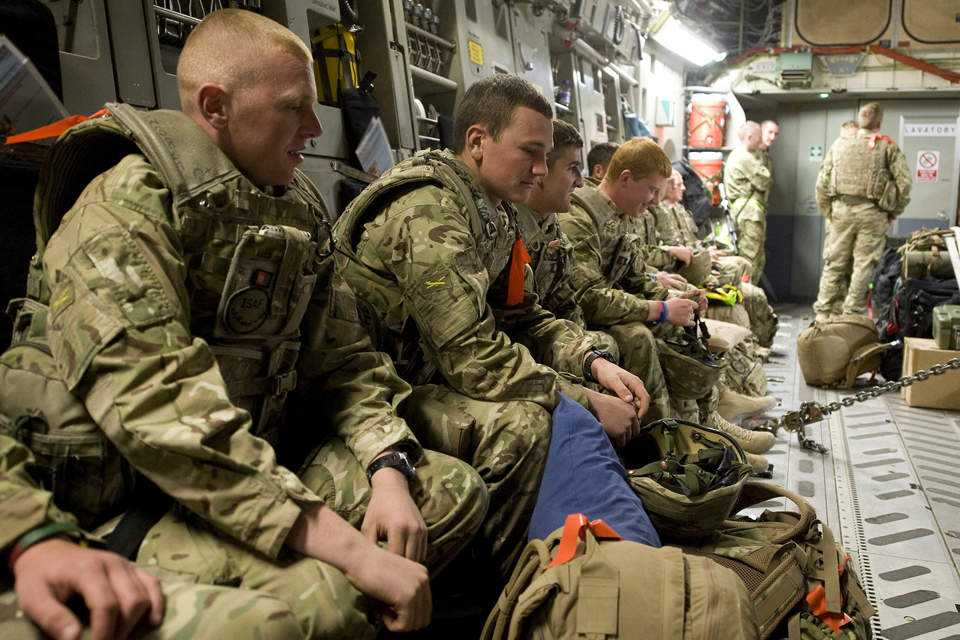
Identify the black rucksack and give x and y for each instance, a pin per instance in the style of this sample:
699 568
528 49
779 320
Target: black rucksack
694 200
883 288
912 316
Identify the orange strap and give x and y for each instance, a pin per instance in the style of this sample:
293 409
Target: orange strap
518 260
817 599
53 130
575 528
873 140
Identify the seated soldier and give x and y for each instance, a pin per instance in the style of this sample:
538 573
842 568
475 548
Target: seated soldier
48 568
599 159
434 253
612 285
181 280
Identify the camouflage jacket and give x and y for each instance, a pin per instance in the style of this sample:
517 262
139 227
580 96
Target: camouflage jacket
857 180
24 506
745 176
551 259
428 255
163 360
675 225
655 253
608 275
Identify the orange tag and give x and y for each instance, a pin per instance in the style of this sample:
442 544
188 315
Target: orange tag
873 140
575 528
817 599
518 260
53 130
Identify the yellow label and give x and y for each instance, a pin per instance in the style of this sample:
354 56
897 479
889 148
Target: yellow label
476 52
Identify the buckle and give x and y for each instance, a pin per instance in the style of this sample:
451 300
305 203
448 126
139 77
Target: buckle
284 382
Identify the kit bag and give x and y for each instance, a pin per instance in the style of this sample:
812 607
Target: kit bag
687 476
925 254
833 352
584 582
799 577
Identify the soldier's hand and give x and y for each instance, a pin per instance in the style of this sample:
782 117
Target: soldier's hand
716 254
683 254
701 297
680 310
619 418
622 383
117 594
392 515
671 280
403 586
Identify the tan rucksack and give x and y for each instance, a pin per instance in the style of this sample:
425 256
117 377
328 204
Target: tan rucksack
835 351
583 582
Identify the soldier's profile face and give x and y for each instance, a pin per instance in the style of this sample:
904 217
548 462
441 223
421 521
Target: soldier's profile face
556 189
270 123
510 165
769 134
642 194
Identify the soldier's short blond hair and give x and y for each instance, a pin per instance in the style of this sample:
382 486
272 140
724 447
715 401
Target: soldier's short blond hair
746 129
565 136
870 116
642 157
231 47
491 101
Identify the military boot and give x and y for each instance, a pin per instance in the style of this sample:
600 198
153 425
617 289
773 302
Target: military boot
749 441
734 406
758 462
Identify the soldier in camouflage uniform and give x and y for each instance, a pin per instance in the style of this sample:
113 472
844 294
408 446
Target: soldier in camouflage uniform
613 286
599 159
181 282
50 571
434 252
863 185
747 183
676 226
551 257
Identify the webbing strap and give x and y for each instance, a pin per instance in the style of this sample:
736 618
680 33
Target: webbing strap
54 129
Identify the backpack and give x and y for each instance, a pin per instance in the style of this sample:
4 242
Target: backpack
883 286
911 316
925 254
835 351
799 577
584 582
694 199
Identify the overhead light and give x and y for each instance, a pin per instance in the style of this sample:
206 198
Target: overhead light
824 95
721 57
685 43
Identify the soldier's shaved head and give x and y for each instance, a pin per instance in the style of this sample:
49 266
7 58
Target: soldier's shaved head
491 102
870 116
229 48
747 128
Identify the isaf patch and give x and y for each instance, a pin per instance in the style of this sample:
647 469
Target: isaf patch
247 309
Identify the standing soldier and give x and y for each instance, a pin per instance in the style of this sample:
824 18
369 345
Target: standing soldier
863 185
747 182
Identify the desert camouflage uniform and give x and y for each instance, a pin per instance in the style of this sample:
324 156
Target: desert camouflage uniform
143 330
747 182
192 611
428 255
850 193
677 228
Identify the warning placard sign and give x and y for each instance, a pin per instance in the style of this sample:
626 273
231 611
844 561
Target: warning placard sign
928 163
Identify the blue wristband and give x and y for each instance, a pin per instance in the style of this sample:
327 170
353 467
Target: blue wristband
663 312
653 277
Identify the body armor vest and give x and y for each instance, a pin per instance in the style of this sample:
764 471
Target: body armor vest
493 235
595 203
859 170
547 249
251 258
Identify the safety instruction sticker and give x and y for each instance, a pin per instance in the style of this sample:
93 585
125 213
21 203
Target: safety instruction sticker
476 52
928 164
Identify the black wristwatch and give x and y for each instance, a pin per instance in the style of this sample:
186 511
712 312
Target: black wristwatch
398 460
588 362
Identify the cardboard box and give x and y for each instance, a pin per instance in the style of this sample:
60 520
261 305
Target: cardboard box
938 392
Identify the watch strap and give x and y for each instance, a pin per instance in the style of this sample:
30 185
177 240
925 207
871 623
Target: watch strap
396 459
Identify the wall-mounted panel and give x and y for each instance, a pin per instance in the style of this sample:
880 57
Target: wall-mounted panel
852 22
931 21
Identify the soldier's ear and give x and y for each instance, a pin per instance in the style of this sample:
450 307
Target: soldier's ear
476 135
213 104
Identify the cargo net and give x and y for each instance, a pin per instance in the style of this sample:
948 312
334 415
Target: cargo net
177 18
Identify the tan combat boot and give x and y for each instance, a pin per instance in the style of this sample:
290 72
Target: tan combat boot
750 441
734 406
758 462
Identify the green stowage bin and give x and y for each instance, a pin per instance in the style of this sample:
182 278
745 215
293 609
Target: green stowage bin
946 325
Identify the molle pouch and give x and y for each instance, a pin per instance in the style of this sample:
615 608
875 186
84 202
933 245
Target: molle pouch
622 258
268 285
74 459
889 196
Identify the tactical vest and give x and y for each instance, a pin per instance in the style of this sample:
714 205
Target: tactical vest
858 170
252 258
493 233
597 206
547 249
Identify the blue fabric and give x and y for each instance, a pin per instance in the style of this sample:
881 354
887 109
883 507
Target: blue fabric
583 475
